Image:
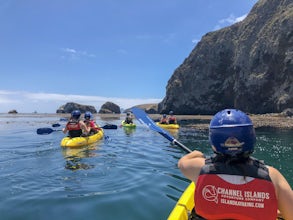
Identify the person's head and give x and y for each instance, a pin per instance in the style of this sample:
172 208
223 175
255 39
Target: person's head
128 113
231 133
87 115
164 115
75 114
171 113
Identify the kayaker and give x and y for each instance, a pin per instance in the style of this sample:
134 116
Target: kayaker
75 126
128 118
171 118
232 184
90 123
164 119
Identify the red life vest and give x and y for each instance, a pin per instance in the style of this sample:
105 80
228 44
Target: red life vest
73 128
172 120
73 125
90 123
222 191
164 121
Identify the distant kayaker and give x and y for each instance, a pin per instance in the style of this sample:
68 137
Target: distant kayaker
75 126
128 118
171 118
90 123
232 184
164 119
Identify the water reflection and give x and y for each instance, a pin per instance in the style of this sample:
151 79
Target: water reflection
173 132
74 157
128 130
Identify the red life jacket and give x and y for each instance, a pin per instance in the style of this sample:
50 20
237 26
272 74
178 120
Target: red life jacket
163 121
90 123
74 128
172 120
222 191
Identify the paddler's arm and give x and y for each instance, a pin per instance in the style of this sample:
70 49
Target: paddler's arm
65 130
284 193
191 164
85 128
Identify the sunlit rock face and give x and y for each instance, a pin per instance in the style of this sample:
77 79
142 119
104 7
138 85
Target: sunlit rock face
248 66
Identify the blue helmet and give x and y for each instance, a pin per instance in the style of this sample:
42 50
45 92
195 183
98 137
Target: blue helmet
231 133
88 115
75 114
171 113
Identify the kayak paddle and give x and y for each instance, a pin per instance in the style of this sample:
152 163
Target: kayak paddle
143 118
45 130
109 126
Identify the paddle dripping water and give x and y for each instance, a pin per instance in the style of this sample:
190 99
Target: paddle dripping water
131 175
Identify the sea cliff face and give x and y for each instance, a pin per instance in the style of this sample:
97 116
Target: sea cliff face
248 66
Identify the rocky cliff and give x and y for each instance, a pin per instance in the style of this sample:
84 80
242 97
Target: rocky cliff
248 66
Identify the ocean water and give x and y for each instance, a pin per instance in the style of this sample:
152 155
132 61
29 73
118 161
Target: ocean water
129 174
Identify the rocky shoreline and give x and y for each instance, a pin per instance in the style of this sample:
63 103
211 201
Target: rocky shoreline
201 122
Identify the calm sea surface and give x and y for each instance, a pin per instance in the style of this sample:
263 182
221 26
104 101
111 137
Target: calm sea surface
130 174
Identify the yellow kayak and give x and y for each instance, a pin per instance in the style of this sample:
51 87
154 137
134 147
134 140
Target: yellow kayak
184 205
124 124
81 141
168 126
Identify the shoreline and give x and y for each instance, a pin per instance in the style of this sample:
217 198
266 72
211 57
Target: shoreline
272 121
199 122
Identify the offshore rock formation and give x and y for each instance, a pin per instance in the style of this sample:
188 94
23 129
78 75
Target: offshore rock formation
148 108
248 66
71 106
13 111
109 108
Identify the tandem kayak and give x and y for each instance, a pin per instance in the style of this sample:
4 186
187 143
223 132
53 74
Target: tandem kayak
168 126
81 141
126 125
185 204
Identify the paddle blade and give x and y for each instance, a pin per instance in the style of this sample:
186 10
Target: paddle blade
56 125
108 126
143 118
44 130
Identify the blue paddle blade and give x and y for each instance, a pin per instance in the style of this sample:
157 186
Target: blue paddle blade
143 118
109 126
44 130
56 125
63 119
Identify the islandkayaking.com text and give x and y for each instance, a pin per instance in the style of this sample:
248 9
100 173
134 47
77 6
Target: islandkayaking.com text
242 203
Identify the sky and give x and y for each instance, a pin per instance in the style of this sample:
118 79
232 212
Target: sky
94 51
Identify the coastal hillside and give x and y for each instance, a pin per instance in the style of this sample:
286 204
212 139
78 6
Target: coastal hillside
248 66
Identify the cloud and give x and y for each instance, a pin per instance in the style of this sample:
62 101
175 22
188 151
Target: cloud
27 102
70 53
229 21
195 40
